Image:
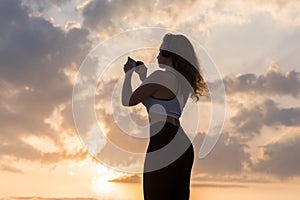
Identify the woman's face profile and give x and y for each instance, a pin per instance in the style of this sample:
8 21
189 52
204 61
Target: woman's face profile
164 61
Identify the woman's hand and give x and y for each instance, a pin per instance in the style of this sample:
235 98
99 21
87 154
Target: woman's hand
128 67
141 70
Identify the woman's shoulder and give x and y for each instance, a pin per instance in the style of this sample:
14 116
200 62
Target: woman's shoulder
163 74
162 78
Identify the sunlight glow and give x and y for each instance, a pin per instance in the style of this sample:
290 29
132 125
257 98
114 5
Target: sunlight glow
101 184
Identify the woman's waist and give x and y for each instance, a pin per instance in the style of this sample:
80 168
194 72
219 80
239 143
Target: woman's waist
156 118
165 133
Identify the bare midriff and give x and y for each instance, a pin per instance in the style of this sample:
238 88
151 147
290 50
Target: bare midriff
153 118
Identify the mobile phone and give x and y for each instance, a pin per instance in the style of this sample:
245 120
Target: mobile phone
132 62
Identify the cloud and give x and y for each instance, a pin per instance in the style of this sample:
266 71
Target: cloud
227 157
33 57
285 116
43 5
111 15
127 179
272 82
20 150
250 121
35 54
281 159
128 150
8 168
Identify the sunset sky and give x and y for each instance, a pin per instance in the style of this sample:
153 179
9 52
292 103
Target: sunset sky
253 44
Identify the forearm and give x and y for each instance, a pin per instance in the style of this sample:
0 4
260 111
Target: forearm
143 76
127 89
141 70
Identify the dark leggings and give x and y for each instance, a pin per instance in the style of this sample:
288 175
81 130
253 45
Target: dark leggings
171 178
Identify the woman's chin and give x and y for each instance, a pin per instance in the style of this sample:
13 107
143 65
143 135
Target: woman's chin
162 66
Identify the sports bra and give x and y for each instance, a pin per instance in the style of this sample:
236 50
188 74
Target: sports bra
167 107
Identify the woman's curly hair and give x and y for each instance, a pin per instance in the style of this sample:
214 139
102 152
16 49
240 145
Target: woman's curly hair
192 75
185 61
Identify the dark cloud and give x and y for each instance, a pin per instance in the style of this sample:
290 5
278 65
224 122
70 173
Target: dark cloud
285 116
33 56
250 120
109 16
42 5
273 82
280 159
19 150
227 157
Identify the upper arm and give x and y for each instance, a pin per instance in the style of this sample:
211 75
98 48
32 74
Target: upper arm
142 92
158 80
146 89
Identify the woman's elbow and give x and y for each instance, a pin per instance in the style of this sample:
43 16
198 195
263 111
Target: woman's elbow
125 102
128 103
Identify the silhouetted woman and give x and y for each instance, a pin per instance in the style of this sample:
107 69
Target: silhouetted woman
164 93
